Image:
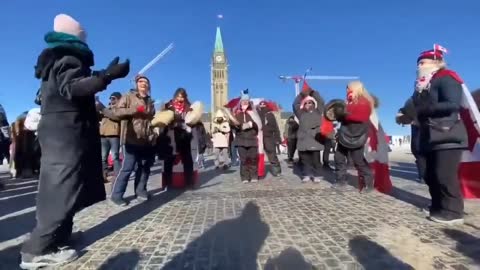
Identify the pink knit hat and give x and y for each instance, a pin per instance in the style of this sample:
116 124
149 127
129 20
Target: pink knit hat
68 25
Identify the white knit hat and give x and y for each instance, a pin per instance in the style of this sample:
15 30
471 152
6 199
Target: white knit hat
68 25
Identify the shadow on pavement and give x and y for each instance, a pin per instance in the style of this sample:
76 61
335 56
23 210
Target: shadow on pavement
409 197
14 227
15 204
372 256
289 259
134 213
408 173
124 260
230 244
22 224
467 244
13 191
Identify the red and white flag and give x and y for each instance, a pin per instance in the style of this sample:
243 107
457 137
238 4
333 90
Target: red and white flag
376 154
469 169
437 47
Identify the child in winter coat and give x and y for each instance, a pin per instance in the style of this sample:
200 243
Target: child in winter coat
308 108
220 138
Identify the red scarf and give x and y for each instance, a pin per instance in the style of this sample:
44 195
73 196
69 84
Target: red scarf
179 106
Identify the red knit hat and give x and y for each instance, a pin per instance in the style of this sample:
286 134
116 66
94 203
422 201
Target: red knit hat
431 54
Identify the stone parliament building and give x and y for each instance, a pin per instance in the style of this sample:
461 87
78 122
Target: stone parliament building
220 87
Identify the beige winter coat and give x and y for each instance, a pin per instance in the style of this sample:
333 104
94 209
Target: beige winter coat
221 130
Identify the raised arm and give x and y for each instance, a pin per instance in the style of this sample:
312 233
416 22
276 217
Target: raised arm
296 105
75 80
319 100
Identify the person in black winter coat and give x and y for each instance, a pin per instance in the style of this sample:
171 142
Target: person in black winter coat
308 107
181 106
443 136
71 175
247 129
271 136
291 128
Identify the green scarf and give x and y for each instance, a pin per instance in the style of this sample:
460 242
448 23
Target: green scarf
56 39
70 43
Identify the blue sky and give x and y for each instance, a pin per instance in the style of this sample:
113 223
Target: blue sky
376 40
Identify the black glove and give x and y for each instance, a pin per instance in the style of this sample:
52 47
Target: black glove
115 70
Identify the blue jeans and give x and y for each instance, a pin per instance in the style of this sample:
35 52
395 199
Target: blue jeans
233 155
111 144
143 157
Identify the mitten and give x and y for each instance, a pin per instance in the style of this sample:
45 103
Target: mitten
115 70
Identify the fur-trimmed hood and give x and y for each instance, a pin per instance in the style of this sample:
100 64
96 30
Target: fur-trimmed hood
308 98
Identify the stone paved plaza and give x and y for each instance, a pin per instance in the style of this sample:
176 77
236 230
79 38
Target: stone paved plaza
274 224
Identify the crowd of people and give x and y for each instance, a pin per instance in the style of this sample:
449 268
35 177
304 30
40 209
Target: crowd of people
75 136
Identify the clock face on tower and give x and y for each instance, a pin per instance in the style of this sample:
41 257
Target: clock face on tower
218 58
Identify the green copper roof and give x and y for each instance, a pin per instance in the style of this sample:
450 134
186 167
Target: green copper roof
218 41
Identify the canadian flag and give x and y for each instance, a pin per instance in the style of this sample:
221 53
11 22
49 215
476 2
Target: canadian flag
437 47
469 169
376 154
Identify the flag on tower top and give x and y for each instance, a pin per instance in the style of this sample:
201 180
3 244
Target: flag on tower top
437 47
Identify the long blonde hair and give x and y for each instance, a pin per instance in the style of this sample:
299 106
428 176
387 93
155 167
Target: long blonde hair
358 90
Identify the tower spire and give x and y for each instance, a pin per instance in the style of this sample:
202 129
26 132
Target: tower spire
218 41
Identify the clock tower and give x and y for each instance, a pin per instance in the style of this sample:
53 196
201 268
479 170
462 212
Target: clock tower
219 68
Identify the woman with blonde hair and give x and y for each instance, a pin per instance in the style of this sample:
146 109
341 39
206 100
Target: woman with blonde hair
352 136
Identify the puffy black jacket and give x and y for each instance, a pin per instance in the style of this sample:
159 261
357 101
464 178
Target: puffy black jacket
438 113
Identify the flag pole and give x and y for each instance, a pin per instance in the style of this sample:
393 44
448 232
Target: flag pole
154 61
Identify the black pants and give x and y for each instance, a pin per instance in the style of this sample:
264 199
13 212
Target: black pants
248 162
442 180
310 163
359 161
326 152
291 147
271 151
